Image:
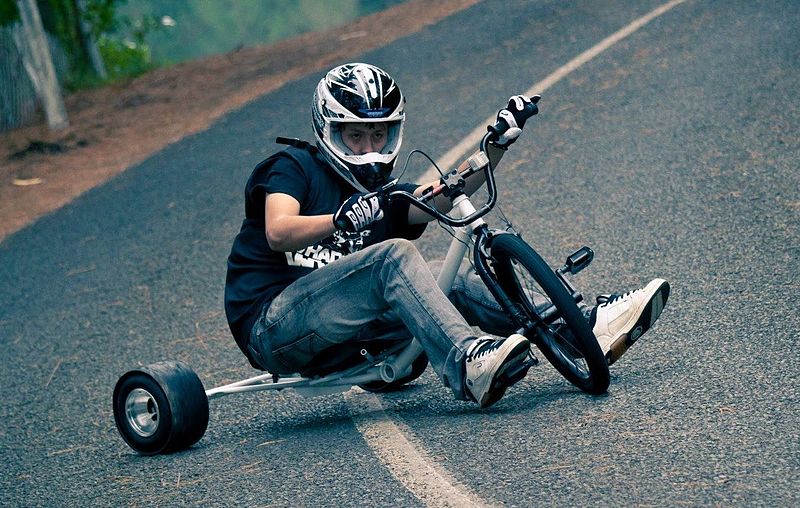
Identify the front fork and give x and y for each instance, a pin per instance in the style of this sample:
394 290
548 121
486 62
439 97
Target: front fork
482 259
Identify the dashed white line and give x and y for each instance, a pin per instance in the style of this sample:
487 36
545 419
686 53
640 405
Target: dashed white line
414 468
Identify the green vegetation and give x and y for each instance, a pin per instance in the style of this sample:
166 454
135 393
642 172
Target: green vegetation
134 37
8 13
203 27
119 38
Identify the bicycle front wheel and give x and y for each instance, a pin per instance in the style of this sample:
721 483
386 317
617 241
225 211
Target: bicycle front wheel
563 337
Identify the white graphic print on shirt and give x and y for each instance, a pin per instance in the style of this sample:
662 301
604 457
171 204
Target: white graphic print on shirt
329 250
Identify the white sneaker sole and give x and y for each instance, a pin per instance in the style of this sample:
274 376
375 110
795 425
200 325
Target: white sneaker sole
640 322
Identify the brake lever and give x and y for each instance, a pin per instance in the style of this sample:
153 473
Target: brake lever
388 186
383 191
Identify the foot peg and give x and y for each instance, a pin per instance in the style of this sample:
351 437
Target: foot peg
578 260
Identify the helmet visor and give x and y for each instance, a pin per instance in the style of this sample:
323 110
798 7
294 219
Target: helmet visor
359 142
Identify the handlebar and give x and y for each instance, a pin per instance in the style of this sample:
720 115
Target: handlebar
450 185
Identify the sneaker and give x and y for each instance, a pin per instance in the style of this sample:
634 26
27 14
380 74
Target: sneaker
487 360
619 320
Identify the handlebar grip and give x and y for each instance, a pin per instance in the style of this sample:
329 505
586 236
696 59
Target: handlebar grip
499 127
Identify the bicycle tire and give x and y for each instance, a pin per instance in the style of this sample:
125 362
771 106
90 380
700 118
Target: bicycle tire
576 355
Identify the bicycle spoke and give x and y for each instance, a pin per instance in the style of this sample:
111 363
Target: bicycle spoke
561 343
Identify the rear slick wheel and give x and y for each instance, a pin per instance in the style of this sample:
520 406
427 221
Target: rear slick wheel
568 343
160 408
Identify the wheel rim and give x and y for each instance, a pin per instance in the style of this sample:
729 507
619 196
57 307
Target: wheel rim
141 412
569 355
560 346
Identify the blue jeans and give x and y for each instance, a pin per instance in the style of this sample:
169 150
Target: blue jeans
365 291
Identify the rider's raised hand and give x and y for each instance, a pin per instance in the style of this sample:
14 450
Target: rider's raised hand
358 211
514 115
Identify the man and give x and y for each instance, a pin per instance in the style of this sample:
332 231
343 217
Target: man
320 262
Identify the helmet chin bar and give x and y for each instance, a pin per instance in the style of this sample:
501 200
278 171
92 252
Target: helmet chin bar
372 175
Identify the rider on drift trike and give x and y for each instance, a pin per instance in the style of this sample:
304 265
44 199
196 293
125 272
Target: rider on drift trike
322 261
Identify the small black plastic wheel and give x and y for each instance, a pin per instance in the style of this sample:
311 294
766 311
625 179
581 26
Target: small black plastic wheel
160 408
418 366
567 342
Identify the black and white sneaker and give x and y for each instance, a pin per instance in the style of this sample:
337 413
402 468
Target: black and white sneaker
487 360
619 320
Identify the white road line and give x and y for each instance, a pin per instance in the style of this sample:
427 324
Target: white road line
459 152
410 465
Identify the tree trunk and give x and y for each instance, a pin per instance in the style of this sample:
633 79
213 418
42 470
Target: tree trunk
88 42
39 65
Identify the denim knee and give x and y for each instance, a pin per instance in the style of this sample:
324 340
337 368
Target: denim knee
405 250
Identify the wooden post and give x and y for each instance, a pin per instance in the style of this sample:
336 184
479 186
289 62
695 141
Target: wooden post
40 67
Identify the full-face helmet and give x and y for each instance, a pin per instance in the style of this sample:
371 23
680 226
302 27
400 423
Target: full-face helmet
358 93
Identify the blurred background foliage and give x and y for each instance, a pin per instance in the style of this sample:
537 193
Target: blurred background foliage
135 36
195 28
119 38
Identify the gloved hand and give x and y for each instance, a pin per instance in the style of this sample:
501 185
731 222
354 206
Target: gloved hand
357 212
518 110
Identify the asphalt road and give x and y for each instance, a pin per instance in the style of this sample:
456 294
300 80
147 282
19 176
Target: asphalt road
675 153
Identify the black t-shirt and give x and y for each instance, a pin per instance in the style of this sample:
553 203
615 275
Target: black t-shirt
256 273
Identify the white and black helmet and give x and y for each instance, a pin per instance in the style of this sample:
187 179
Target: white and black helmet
358 93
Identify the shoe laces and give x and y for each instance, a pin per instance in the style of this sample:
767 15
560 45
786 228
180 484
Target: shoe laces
603 300
482 347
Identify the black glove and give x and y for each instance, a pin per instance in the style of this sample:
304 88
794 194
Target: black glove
518 110
358 212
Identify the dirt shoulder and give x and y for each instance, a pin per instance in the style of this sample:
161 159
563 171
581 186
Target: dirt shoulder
115 127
